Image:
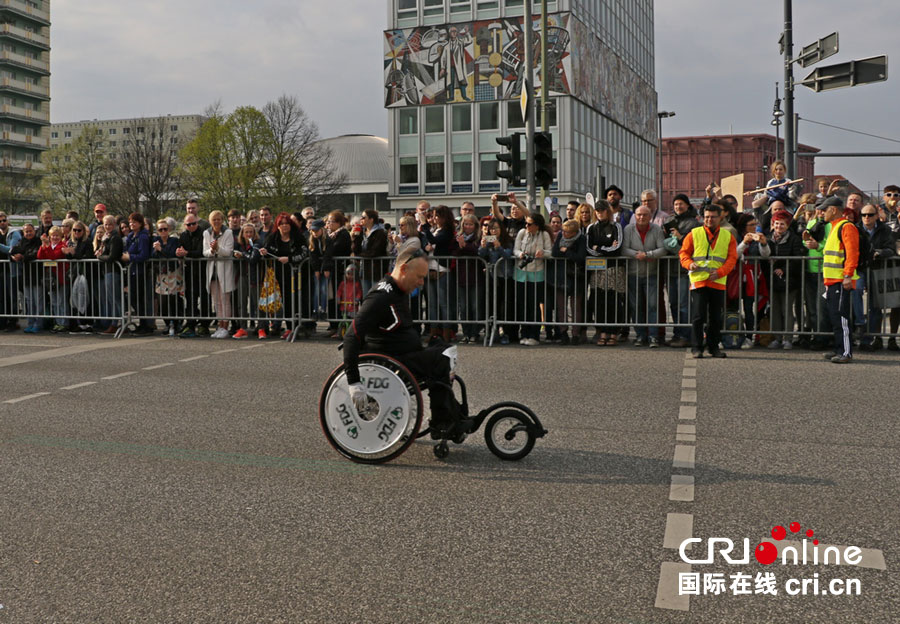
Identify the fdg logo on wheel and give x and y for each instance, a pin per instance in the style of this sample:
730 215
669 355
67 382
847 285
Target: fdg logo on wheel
766 553
377 383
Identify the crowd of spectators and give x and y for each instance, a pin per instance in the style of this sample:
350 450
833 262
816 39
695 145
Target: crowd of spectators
604 265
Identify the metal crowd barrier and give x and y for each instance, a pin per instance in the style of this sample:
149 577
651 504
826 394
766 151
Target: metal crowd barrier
773 298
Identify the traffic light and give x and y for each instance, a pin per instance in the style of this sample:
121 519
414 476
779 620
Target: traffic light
543 159
513 175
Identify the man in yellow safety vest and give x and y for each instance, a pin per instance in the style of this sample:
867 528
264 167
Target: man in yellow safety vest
709 253
839 260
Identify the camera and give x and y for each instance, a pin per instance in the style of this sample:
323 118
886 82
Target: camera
843 183
502 197
525 260
490 238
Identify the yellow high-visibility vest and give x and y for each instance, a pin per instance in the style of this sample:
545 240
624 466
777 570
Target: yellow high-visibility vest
709 259
834 255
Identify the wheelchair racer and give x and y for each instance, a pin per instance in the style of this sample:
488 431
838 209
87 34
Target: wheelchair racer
384 325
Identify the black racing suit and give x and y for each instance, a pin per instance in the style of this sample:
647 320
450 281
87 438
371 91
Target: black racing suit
384 325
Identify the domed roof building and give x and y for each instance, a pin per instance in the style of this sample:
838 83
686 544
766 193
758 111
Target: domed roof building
364 162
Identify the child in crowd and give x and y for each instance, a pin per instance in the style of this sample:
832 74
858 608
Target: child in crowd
349 293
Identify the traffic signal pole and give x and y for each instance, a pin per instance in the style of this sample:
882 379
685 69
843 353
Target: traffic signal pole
790 135
528 27
545 121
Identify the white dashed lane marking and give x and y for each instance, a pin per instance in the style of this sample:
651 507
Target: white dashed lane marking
79 385
27 397
682 488
194 359
679 527
119 376
667 591
687 412
158 366
684 456
688 396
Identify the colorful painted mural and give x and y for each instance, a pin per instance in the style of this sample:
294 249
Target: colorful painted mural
477 61
484 60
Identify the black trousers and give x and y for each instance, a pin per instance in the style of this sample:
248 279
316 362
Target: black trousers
838 302
432 367
707 308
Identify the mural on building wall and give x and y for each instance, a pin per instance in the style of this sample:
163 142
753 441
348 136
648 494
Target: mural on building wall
484 60
603 80
475 61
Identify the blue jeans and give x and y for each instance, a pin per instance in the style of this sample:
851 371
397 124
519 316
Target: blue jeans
112 304
469 303
859 316
679 302
34 304
642 302
320 294
439 301
58 304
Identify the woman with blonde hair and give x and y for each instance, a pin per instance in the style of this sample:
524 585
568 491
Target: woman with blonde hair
584 214
218 245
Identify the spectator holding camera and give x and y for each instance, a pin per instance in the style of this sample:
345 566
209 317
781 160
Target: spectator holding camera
469 276
496 249
518 213
532 246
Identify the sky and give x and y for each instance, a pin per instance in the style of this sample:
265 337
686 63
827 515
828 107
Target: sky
716 66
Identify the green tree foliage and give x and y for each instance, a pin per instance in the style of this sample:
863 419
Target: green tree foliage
252 157
74 172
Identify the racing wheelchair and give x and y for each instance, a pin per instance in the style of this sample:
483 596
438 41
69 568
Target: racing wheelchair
393 416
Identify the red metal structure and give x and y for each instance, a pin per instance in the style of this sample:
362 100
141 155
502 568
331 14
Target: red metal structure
691 163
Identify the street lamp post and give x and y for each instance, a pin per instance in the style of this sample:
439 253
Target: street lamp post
777 114
659 175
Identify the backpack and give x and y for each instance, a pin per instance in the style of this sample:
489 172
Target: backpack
865 248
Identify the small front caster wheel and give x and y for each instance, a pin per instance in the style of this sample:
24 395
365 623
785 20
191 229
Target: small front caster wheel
441 450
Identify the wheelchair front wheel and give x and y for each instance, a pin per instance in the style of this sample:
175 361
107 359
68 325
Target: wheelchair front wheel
390 423
508 434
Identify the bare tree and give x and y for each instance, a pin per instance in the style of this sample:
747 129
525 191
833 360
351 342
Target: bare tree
74 172
300 165
143 170
19 191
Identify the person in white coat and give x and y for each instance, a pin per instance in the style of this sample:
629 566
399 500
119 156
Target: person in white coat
218 242
533 244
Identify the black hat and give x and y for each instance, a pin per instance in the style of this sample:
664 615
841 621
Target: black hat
316 225
683 198
834 200
612 187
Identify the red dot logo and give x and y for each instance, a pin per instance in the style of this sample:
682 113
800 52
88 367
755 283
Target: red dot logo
795 526
778 533
765 553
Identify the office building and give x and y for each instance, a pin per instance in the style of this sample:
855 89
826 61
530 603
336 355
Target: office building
116 132
24 98
453 76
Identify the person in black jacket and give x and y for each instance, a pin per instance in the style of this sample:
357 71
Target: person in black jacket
371 245
110 254
287 249
882 246
786 276
384 325
607 299
168 277
26 251
441 290
334 261
80 249
195 291
319 242
684 220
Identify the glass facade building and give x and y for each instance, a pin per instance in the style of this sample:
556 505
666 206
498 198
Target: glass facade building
453 75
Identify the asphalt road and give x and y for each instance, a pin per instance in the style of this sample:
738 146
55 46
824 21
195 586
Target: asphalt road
165 480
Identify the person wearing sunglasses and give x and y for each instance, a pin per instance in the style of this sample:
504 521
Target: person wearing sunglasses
79 249
10 276
888 208
532 246
190 248
168 281
881 247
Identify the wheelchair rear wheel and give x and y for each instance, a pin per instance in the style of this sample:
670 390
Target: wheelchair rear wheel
389 424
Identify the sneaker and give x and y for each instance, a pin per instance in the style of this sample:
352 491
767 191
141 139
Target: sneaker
787 345
640 342
678 343
523 341
775 344
261 334
58 328
841 359
654 343
31 330
504 339
220 333
747 344
203 330
187 332
240 334
286 334
892 344
830 355
696 354
718 354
